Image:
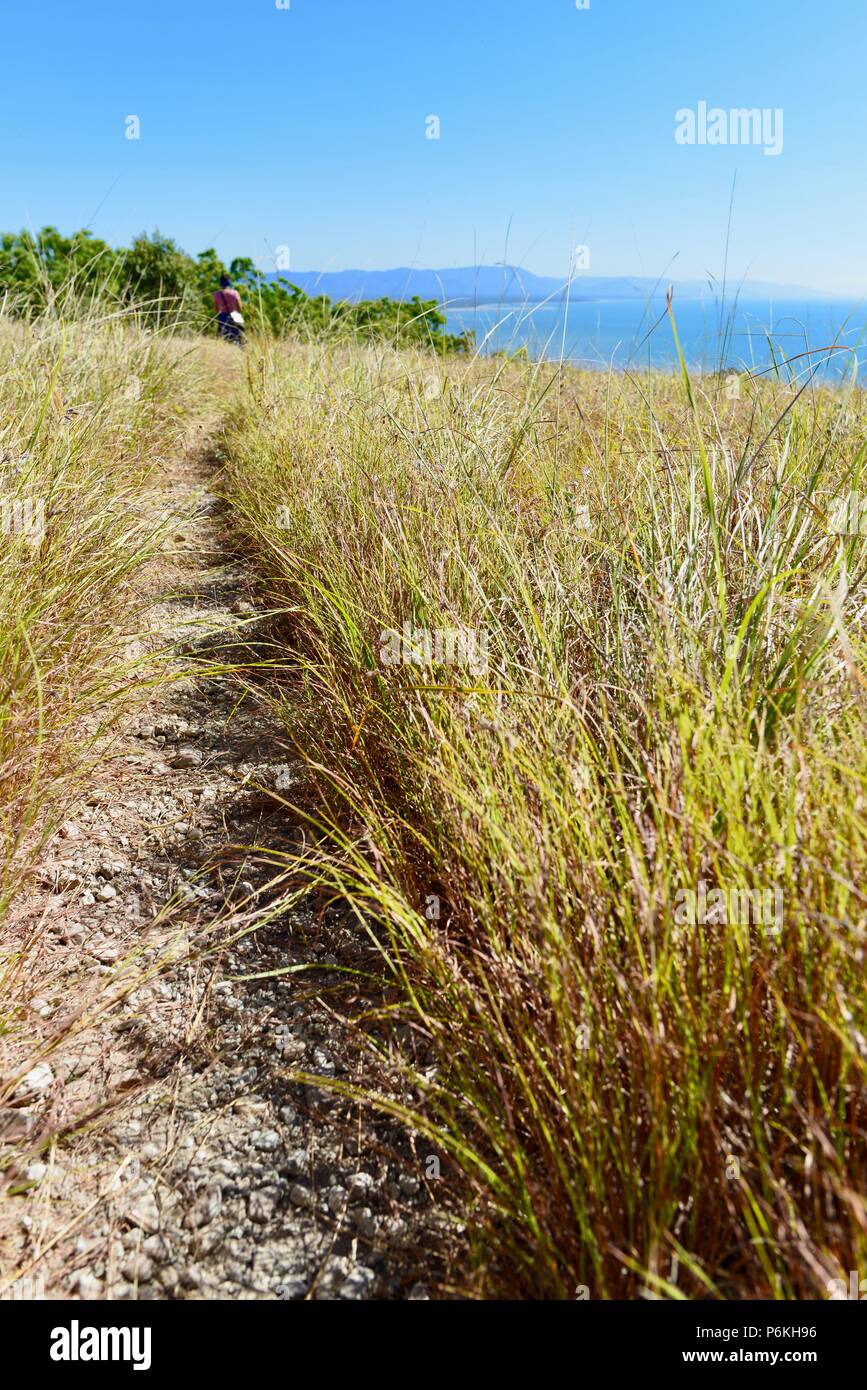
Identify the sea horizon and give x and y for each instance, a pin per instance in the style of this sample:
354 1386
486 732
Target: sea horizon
747 334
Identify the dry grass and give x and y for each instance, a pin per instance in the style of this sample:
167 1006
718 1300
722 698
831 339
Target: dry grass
674 695
88 413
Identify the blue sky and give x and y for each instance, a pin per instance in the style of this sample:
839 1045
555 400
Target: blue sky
305 127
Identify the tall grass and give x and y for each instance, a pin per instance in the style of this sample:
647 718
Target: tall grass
674 697
88 411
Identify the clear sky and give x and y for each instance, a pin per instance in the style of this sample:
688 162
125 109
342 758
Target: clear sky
305 127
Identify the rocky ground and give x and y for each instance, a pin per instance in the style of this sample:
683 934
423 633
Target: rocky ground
218 1176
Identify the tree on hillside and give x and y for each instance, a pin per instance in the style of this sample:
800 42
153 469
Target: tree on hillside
34 270
158 276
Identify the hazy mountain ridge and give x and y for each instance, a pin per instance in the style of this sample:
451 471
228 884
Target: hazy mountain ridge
506 284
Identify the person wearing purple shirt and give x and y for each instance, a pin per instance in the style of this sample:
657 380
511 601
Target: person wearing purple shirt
227 303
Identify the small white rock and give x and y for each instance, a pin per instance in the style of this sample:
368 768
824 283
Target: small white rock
261 1206
357 1283
137 1269
365 1223
39 1078
144 1212
86 1285
187 757
204 1208
266 1139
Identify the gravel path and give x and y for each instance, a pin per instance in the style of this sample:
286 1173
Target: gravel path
219 1177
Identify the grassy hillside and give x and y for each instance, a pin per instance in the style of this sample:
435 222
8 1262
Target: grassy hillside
576 667
631 681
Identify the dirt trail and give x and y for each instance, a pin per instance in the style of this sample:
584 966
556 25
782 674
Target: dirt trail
219 1177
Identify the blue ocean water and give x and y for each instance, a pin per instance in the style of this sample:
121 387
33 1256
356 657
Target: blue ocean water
631 334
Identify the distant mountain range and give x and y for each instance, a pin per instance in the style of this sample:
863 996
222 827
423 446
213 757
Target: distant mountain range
511 284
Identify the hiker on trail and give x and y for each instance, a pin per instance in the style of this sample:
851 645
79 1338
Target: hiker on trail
227 302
